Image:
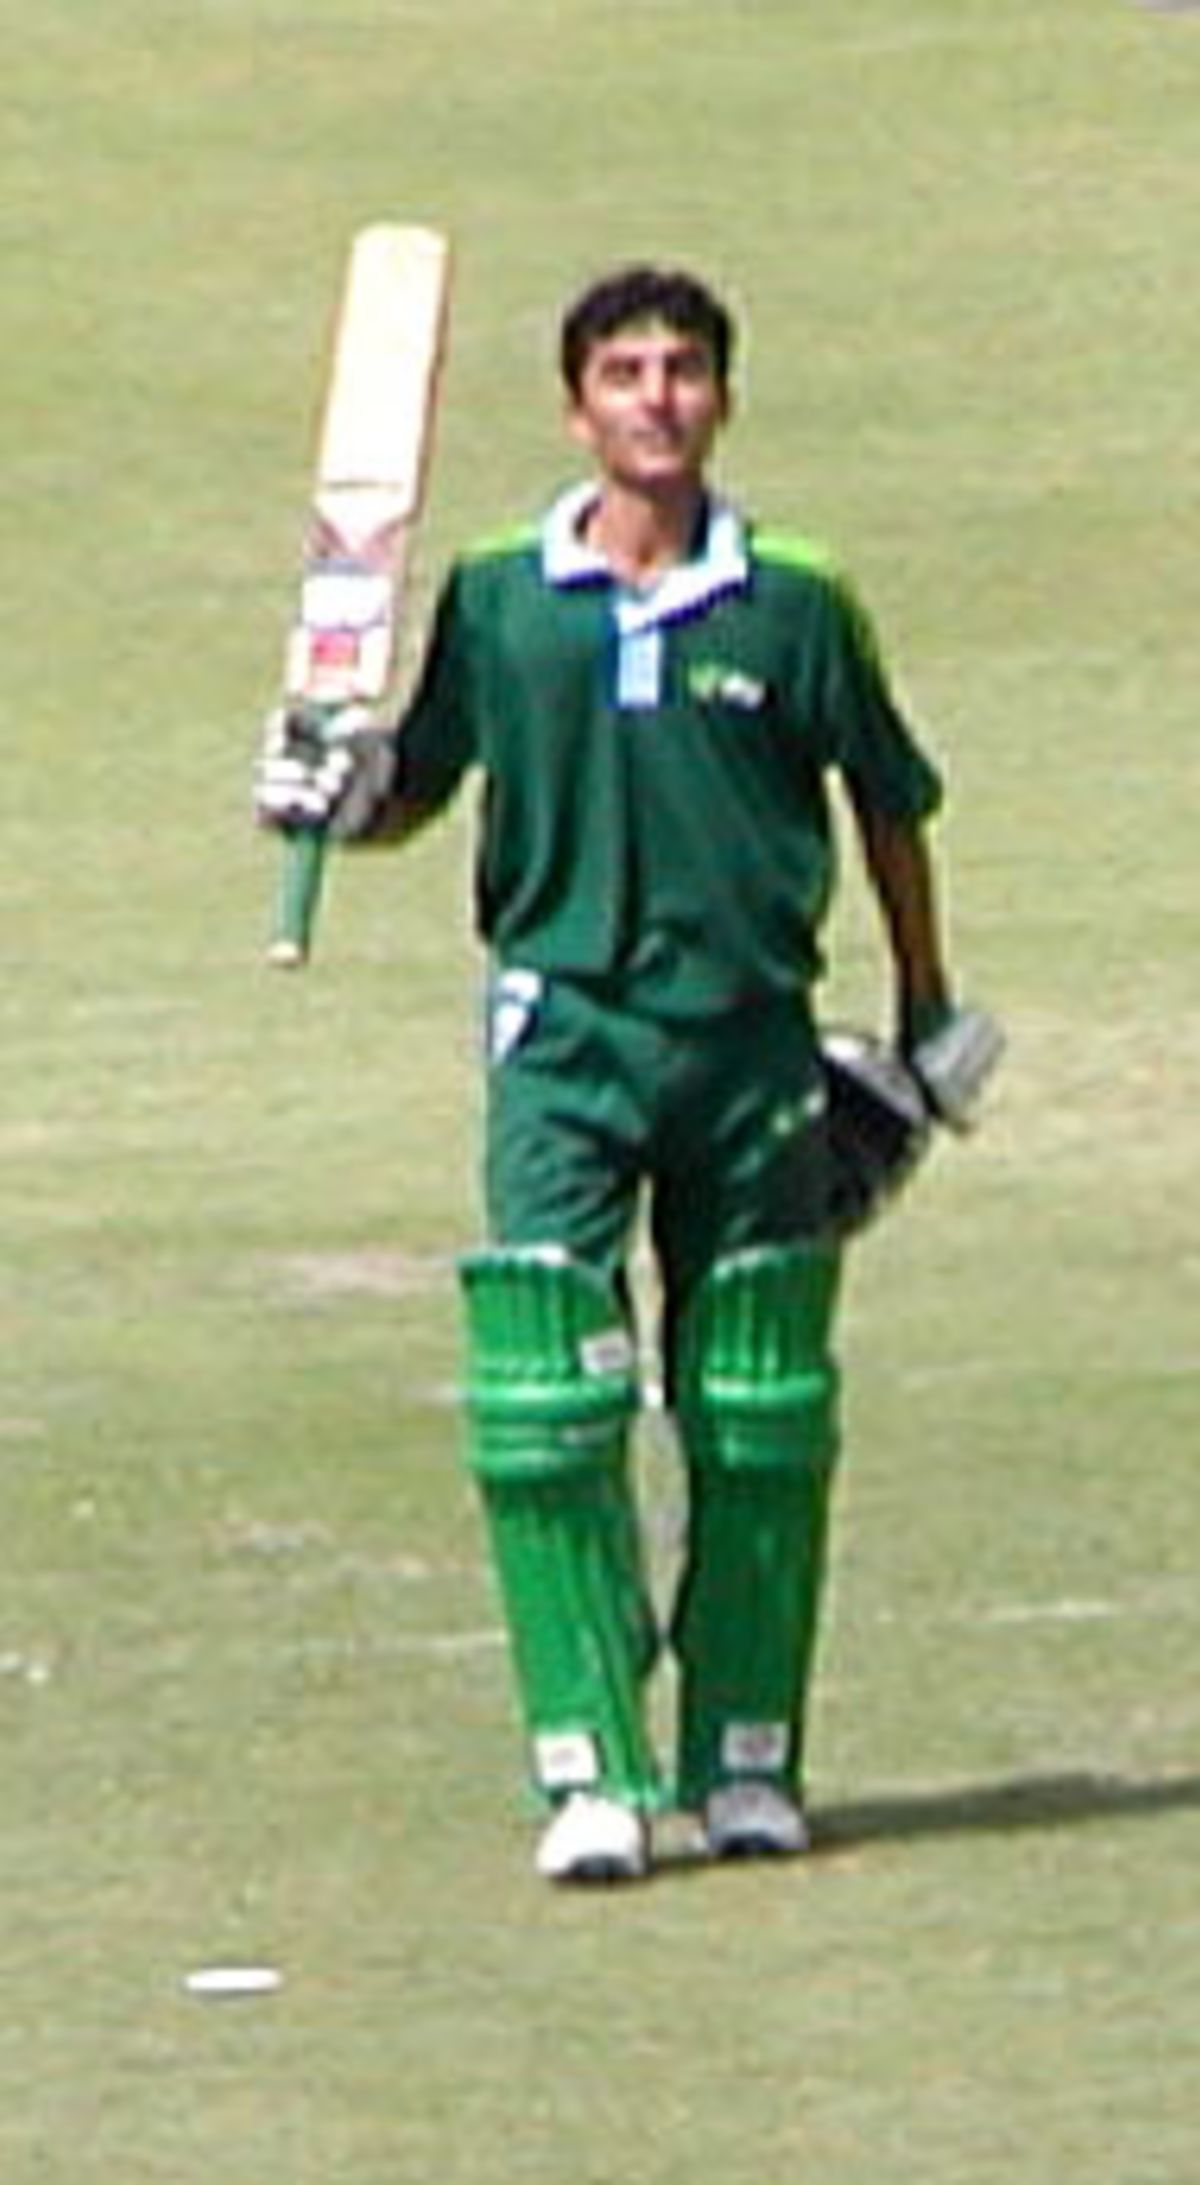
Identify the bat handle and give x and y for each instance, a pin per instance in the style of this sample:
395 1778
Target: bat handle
299 894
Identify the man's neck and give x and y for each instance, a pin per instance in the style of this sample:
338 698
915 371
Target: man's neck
643 535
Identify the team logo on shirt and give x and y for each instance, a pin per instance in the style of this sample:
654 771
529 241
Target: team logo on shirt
712 683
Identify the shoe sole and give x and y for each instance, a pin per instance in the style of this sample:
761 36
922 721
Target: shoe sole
602 1871
755 1847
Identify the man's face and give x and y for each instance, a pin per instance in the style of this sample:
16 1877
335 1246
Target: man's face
649 406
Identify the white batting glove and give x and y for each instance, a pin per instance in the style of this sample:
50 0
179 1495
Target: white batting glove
953 1064
305 766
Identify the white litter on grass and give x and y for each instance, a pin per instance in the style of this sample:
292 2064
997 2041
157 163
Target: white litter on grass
223 1983
26 1668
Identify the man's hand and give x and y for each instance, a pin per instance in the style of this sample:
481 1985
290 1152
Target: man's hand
953 1060
322 771
303 768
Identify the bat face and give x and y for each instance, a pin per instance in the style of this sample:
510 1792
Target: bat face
371 467
375 429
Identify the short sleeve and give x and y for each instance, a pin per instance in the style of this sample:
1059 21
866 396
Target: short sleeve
438 731
870 741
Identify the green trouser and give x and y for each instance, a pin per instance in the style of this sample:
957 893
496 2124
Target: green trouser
593 1103
590 1105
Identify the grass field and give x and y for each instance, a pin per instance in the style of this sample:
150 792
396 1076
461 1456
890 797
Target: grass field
252 1697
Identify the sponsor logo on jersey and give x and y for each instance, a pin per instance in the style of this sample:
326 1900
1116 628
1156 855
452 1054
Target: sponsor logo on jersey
712 683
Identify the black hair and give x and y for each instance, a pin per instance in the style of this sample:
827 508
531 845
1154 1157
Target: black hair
634 296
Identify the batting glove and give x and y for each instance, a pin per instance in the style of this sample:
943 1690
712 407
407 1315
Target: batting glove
306 766
953 1062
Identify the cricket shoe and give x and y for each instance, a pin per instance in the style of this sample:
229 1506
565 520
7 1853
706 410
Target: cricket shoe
594 1839
754 1820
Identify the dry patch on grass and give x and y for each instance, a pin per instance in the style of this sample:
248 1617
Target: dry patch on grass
1122 1091
369 1271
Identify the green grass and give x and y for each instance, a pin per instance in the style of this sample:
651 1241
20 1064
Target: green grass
251 1695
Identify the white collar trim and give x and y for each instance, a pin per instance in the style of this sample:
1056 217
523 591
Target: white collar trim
722 566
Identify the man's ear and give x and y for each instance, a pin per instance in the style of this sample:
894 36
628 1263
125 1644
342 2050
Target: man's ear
577 423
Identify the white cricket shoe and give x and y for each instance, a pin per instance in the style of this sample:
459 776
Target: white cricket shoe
594 1839
754 1820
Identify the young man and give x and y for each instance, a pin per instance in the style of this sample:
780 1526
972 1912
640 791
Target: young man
656 696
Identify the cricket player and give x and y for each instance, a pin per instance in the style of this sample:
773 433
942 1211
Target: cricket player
656 697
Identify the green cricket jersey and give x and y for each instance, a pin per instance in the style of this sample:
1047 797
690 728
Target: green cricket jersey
656 765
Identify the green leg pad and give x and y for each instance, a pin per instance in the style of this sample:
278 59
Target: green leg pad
758 1415
550 1396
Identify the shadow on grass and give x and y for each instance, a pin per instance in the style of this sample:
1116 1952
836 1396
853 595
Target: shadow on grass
1023 1802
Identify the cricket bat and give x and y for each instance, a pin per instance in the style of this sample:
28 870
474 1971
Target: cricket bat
372 461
